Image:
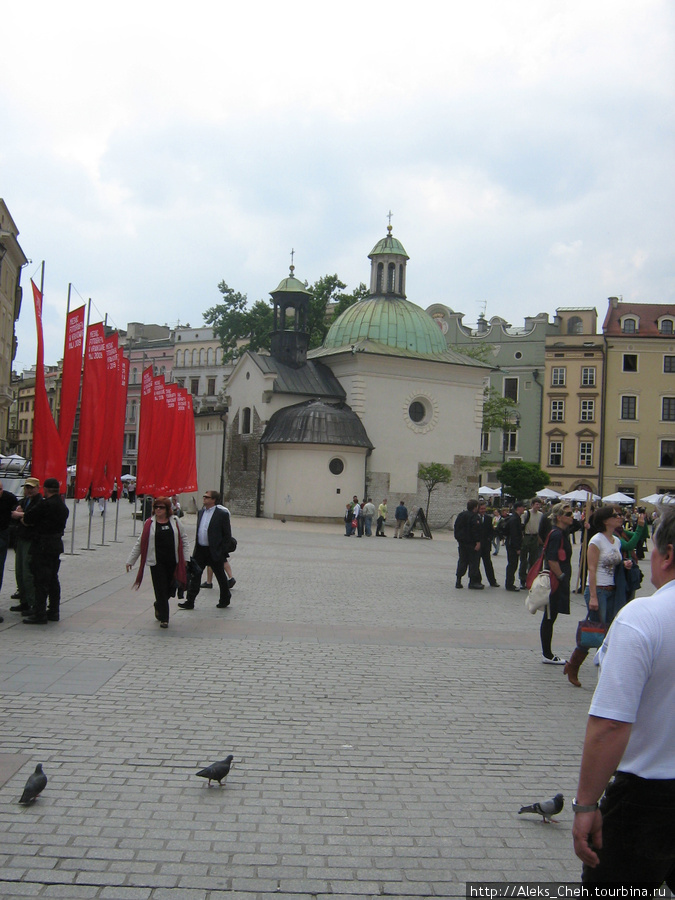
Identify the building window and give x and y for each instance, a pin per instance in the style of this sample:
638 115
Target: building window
336 466
194 386
668 409
575 325
629 326
416 411
246 420
627 452
630 362
668 364
558 378
587 411
557 410
134 375
667 454
585 453
555 452
211 390
485 442
131 441
391 278
629 407
510 441
511 389
666 326
588 376
180 382
380 270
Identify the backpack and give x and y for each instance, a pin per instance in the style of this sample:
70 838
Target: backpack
502 528
460 529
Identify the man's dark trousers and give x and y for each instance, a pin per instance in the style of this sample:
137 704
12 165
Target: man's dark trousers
469 558
46 556
203 558
512 557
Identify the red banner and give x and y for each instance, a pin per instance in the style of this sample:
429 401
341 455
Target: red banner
145 481
102 478
72 372
92 409
170 477
48 458
120 416
189 460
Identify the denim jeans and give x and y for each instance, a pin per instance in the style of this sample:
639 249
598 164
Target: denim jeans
638 838
606 610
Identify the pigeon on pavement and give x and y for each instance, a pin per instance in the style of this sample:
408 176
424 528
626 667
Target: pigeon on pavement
547 809
35 785
217 771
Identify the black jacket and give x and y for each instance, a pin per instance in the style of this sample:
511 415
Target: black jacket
219 533
467 527
514 531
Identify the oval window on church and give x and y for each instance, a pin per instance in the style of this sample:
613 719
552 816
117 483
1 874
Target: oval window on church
336 466
417 411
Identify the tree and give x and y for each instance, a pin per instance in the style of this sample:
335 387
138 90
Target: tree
480 352
499 413
241 327
522 479
233 322
433 475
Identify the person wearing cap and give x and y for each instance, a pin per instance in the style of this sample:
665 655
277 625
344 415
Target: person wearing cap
48 518
25 535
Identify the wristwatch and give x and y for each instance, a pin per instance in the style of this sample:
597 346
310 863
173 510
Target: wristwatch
580 808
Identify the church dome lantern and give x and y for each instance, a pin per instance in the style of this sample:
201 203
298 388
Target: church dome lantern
388 267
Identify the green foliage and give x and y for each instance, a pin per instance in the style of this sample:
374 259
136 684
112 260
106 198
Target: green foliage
499 413
241 327
480 352
522 479
433 475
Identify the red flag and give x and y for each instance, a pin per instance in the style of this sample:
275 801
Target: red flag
92 409
189 447
145 482
120 415
49 458
72 372
170 480
102 478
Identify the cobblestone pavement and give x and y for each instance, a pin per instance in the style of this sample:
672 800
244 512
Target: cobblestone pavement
385 727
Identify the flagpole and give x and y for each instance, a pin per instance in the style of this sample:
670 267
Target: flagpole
72 524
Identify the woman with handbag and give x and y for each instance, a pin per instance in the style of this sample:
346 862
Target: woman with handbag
604 556
163 545
558 555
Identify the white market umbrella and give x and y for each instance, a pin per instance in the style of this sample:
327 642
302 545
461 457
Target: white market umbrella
548 494
618 497
655 499
486 491
71 470
128 478
580 496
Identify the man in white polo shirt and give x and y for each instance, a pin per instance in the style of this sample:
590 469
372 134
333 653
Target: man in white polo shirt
630 838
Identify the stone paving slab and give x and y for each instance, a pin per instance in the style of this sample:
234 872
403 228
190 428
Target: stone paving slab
385 729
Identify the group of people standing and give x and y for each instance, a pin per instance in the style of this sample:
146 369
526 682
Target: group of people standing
40 519
359 517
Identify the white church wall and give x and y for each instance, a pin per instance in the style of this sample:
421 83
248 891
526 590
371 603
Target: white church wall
298 482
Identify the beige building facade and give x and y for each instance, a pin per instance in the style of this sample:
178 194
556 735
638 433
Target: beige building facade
12 259
572 402
639 389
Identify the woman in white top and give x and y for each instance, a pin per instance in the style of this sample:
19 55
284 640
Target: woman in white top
602 557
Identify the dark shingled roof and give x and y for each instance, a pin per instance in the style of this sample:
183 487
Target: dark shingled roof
312 379
316 422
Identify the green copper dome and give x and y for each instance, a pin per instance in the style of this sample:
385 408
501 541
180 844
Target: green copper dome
388 245
390 321
290 285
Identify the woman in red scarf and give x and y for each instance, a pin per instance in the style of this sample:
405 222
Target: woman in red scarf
164 546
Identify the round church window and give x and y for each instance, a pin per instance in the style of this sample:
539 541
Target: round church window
417 411
336 466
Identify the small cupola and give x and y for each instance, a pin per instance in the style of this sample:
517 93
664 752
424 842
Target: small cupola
387 268
290 335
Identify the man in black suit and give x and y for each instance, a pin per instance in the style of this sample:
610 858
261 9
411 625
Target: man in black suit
48 519
486 537
467 535
212 546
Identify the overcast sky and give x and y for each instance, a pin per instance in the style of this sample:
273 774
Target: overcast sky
150 150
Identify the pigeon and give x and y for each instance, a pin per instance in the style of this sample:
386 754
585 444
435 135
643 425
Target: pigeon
217 771
35 785
547 809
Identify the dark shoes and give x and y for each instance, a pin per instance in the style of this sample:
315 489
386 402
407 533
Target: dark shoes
206 585
53 615
222 604
458 585
20 607
512 587
493 584
15 596
163 624
231 583
36 620
476 586
189 604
